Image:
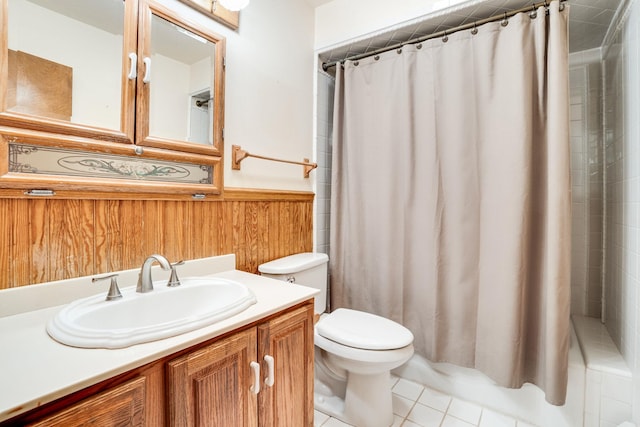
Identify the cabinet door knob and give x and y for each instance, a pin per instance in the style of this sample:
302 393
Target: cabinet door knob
133 66
270 380
255 367
147 69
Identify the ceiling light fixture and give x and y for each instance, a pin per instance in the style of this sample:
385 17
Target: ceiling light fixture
234 5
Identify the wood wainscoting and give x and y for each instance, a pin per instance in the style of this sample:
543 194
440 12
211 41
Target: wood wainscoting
55 239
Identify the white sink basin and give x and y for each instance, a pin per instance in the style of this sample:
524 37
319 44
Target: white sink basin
137 318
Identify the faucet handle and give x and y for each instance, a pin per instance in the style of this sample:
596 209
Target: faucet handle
114 291
173 278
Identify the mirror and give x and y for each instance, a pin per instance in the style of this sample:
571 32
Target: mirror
110 73
65 60
181 103
114 70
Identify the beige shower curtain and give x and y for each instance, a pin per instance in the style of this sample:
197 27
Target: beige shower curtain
451 197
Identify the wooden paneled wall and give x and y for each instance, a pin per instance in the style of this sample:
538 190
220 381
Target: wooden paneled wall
45 240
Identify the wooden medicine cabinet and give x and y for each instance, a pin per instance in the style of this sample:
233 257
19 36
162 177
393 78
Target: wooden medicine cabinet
109 95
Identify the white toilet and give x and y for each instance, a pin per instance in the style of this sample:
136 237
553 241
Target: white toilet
354 350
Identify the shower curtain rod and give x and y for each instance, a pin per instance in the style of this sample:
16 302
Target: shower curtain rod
532 9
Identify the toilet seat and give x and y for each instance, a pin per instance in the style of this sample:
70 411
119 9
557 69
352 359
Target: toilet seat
359 356
364 331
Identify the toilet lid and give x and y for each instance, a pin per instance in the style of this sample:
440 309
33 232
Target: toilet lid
363 330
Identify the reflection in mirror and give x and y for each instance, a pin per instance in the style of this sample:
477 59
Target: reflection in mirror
201 118
181 96
65 60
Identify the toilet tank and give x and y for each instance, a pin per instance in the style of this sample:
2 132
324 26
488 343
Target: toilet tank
308 269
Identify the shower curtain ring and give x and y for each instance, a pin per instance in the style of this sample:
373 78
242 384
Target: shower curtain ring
475 29
505 21
445 38
533 14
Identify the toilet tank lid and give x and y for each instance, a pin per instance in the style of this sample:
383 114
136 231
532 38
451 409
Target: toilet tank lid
293 263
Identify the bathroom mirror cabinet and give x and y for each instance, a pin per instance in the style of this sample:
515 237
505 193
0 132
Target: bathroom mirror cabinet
109 95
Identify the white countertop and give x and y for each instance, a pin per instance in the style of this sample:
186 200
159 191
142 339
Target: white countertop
35 369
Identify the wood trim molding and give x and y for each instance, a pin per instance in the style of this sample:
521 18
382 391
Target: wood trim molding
11 193
256 194
213 9
229 194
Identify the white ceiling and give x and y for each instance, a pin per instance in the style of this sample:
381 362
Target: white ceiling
588 24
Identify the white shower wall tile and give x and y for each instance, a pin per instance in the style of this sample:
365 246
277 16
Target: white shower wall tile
578 195
576 129
614 411
586 176
323 157
622 130
617 387
576 112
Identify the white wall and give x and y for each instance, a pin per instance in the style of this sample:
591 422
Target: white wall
269 91
341 20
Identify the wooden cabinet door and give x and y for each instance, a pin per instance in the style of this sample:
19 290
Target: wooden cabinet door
212 386
289 340
180 104
73 79
119 406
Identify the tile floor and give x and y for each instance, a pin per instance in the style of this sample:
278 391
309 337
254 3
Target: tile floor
417 406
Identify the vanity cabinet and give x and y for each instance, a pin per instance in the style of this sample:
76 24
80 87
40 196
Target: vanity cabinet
217 385
210 384
289 340
124 96
121 405
213 386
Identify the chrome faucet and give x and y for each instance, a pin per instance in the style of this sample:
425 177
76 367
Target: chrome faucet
145 284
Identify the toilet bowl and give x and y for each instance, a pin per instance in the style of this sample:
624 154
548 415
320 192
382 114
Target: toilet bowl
362 349
354 350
